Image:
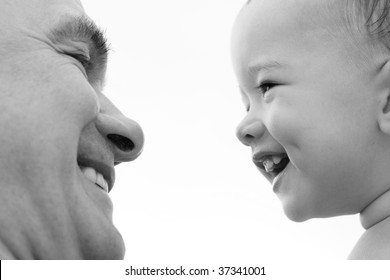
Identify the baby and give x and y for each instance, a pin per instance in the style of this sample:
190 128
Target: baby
314 77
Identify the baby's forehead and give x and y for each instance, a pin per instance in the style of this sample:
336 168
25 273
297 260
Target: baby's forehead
304 13
287 30
354 16
303 19
260 17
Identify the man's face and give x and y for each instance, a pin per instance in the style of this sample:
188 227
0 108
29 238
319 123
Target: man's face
307 100
61 137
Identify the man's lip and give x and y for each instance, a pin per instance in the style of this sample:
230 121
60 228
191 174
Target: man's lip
107 170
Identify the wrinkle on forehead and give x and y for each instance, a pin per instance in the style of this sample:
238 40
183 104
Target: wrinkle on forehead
35 15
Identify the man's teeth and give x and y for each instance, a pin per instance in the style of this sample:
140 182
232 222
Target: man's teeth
269 163
95 177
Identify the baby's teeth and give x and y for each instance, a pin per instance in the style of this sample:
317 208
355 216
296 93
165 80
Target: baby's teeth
268 165
276 159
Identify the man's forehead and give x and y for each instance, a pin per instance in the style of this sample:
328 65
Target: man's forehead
35 15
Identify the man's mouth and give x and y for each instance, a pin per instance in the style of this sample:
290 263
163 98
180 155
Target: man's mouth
95 177
99 173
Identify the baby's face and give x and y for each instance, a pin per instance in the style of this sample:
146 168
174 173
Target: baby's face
308 101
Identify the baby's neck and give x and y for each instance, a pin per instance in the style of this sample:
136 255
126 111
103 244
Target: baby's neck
376 211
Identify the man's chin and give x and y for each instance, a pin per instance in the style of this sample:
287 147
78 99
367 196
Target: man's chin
115 249
98 199
92 217
105 243
110 254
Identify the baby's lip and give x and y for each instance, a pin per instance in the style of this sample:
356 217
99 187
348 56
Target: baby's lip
258 159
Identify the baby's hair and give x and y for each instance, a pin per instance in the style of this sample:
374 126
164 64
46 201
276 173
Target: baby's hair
375 15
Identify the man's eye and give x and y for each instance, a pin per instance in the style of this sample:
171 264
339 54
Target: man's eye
266 86
85 61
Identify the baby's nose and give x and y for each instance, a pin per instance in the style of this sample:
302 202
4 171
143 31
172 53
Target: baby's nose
249 130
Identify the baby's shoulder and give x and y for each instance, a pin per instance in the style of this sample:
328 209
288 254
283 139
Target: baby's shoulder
374 244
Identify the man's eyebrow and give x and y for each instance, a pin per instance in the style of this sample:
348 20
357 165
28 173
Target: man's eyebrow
267 66
85 30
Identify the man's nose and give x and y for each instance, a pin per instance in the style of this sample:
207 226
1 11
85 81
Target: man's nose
250 129
125 134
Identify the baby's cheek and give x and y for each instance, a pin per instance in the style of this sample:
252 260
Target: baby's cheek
303 140
284 128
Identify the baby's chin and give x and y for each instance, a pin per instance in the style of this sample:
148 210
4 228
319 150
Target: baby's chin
296 215
300 210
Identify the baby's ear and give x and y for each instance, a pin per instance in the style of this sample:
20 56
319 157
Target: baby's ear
384 114
384 98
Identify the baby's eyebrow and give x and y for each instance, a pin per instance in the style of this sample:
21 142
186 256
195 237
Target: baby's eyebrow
265 67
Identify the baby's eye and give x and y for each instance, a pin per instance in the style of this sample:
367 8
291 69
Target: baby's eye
266 86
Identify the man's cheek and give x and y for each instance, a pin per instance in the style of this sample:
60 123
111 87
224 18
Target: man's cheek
76 97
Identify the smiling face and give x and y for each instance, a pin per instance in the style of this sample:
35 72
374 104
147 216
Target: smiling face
61 137
312 100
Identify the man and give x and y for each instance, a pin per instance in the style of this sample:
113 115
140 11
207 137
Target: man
60 136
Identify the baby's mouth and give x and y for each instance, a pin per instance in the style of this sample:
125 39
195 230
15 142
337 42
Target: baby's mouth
275 163
272 164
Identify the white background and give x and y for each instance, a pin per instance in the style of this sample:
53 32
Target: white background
194 196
